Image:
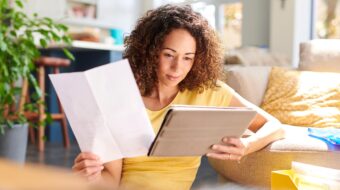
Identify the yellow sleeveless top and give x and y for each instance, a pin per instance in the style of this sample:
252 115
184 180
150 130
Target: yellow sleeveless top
171 172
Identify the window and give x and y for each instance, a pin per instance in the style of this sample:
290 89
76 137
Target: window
327 15
207 11
225 16
232 30
231 21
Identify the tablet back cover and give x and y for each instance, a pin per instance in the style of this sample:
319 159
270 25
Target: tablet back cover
190 131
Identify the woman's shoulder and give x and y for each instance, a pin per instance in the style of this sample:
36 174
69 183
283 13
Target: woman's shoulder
220 89
214 96
223 86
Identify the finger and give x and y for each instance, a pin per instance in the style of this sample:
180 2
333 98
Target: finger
227 149
86 163
86 155
87 172
235 157
233 141
224 156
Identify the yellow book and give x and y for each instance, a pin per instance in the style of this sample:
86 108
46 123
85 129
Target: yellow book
305 176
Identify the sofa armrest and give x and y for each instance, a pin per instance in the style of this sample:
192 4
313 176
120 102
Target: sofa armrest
297 139
255 169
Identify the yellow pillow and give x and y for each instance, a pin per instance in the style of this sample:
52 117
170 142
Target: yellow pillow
303 98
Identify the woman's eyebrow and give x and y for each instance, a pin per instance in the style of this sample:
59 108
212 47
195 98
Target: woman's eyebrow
176 51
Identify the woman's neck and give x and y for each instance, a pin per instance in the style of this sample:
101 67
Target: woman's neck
160 98
164 94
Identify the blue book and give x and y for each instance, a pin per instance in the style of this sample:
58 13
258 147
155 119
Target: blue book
329 135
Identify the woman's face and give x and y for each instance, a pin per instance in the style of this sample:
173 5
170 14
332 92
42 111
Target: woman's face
176 57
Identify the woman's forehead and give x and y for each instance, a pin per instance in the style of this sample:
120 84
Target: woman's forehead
179 40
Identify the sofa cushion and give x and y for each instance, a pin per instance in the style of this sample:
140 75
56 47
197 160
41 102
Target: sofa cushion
250 82
303 98
320 55
255 56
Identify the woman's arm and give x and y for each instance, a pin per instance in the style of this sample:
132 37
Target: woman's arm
89 166
112 172
264 130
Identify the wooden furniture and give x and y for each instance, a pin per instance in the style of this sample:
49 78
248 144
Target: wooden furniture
42 63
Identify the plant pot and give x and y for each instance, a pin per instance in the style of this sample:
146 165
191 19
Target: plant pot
13 144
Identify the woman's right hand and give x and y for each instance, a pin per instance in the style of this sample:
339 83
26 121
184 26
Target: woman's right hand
88 165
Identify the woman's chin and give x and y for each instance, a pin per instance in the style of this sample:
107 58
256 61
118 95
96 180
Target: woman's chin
171 83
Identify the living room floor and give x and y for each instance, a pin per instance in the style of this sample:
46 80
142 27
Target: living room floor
56 155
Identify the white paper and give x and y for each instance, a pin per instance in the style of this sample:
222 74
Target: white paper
105 111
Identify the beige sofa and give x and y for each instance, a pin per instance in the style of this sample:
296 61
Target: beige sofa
255 169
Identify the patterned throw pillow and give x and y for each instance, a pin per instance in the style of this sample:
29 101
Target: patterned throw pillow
303 98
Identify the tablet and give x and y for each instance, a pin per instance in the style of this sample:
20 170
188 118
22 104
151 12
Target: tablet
191 130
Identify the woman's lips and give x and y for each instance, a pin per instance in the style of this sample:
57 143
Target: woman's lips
172 78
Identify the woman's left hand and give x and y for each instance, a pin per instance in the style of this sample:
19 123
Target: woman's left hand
231 148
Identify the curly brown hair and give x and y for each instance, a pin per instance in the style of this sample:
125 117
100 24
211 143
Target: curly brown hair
145 42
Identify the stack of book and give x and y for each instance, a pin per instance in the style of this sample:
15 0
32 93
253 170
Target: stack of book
307 176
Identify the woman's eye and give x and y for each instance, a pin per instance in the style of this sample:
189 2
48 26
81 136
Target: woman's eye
188 58
168 55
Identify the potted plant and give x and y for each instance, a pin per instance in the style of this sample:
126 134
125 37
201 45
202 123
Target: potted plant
20 38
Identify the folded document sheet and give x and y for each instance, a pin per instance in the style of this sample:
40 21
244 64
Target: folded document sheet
105 111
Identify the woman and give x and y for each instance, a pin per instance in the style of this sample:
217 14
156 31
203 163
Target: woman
176 59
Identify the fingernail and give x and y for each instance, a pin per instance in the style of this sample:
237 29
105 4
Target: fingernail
214 147
225 139
102 167
208 154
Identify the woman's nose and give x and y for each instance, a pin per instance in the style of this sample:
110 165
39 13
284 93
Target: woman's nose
175 64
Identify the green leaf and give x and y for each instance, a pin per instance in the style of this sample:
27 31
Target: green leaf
3 46
43 43
9 123
17 90
68 54
67 40
22 119
4 70
19 3
13 33
2 129
48 19
48 119
29 107
63 27
55 36
35 85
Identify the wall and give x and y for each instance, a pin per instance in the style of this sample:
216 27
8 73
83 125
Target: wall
46 8
279 25
255 26
282 27
290 24
123 14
